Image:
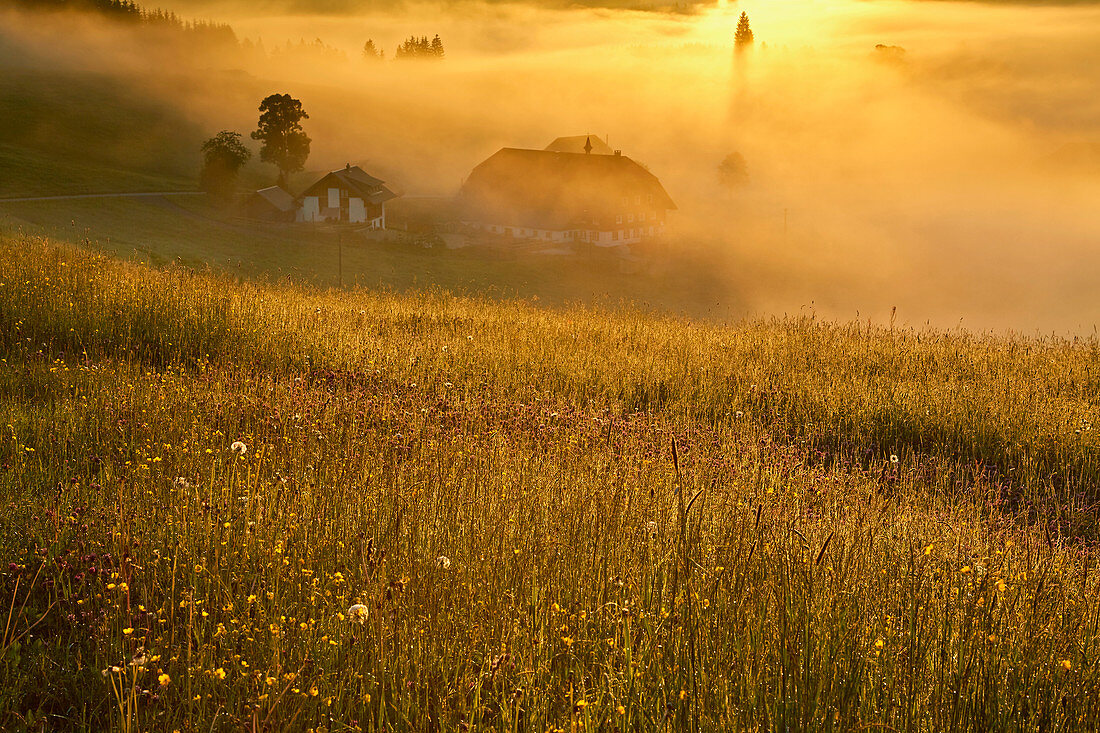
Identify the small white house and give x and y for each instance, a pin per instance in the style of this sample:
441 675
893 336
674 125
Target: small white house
348 195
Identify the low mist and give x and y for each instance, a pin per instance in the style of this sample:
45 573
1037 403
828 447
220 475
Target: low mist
940 158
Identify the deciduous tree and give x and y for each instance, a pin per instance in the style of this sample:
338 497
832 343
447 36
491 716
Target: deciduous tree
222 158
285 143
732 171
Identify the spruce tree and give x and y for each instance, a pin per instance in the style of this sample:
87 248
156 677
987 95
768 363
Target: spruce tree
742 38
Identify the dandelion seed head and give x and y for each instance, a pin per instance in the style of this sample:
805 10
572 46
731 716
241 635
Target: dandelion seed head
358 614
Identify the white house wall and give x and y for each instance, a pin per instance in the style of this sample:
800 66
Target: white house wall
357 212
310 210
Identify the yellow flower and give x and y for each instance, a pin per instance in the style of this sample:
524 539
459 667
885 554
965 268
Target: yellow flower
1001 586
127 631
314 692
219 673
620 710
879 643
163 679
567 641
928 550
1067 665
965 569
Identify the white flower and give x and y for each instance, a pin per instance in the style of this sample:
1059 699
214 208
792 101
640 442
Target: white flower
893 458
652 527
358 614
739 414
443 562
181 483
239 448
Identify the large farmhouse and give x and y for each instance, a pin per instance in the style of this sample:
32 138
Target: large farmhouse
605 200
348 195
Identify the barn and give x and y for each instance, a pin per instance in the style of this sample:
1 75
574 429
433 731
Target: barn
348 195
605 200
269 204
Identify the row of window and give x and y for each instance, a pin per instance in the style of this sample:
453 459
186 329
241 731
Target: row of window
638 199
630 217
583 234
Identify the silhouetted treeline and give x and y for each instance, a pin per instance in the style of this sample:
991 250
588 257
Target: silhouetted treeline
420 48
317 50
130 11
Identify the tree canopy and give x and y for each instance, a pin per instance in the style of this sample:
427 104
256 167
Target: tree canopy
420 48
732 171
222 158
285 143
742 37
372 52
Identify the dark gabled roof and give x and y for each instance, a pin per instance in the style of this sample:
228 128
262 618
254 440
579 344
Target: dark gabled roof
576 143
548 190
355 180
277 197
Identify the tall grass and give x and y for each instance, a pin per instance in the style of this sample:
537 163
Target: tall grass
561 519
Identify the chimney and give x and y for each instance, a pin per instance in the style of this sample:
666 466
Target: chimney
588 145
347 167
618 152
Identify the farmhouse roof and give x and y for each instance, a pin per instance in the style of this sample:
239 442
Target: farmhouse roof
277 197
545 189
357 181
576 143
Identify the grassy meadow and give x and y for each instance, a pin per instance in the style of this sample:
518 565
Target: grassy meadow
234 505
187 230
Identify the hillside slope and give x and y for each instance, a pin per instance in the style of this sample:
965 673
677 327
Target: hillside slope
66 132
292 508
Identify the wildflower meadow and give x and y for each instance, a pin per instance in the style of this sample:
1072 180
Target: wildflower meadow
233 505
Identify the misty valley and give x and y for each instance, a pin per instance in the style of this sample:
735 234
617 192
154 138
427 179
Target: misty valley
519 365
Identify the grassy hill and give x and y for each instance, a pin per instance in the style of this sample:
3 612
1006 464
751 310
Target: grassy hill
186 230
72 133
449 513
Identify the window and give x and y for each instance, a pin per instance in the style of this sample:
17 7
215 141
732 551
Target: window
334 198
630 216
638 199
618 218
649 199
615 236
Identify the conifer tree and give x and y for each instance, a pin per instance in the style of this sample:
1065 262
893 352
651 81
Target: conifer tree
742 38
